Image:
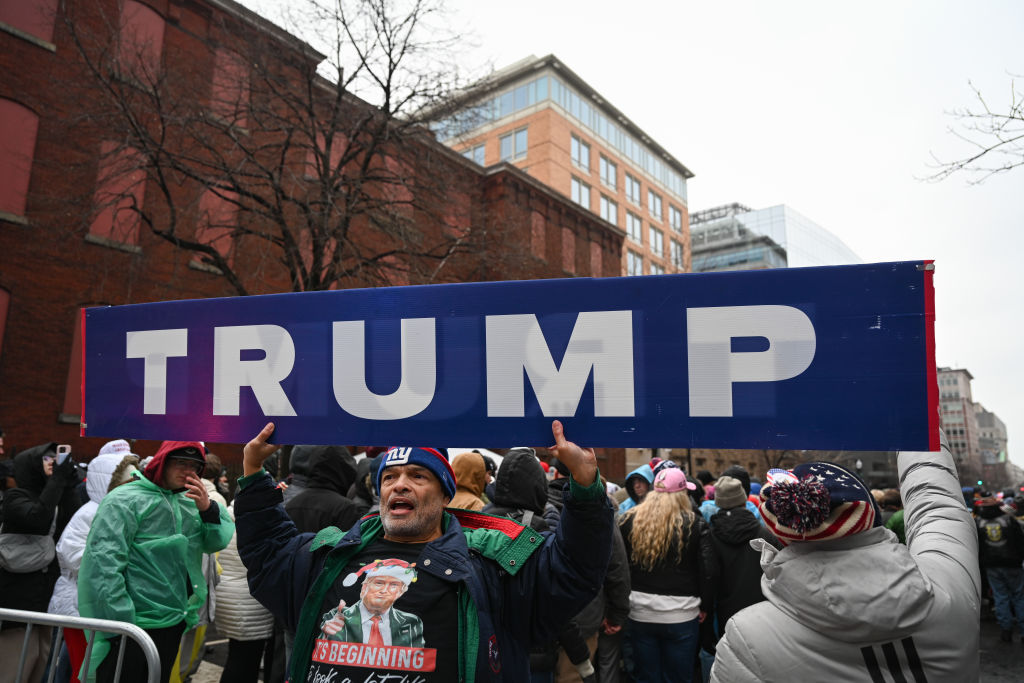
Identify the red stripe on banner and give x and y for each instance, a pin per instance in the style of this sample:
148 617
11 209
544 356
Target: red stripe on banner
929 347
81 417
383 657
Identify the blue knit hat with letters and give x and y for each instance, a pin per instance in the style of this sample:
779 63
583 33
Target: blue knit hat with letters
430 458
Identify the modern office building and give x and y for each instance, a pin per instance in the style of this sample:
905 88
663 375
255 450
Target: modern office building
540 116
736 237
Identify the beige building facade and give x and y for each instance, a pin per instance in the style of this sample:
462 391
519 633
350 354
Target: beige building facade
538 115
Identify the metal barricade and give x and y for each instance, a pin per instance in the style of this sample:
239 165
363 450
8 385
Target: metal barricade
91 626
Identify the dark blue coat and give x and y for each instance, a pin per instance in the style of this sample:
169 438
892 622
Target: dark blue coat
515 586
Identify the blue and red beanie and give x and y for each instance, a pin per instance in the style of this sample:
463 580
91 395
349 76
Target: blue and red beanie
817 501
430 458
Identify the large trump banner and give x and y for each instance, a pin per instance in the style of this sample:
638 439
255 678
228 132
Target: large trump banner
813 358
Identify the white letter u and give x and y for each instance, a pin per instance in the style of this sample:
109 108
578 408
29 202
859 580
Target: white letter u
419 371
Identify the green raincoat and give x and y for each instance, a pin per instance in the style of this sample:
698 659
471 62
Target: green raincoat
143 541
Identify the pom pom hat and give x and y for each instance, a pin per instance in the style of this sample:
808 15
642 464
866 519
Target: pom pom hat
430 458
817 501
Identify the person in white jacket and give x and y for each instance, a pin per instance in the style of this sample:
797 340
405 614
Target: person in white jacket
845 601
72 541
246 623
115 465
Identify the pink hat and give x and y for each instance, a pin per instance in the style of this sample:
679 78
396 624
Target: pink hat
671 480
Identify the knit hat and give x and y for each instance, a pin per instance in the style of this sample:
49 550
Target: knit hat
739 472
817 501
116 447
672 479
729 493
398 569
430 458
664 465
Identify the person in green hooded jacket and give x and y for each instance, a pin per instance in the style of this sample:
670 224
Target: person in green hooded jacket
143 558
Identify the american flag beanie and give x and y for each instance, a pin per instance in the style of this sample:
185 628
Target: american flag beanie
817 501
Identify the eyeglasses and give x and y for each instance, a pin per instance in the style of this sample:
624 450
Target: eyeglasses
185 463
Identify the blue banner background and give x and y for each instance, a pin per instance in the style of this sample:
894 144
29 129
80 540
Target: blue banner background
866 389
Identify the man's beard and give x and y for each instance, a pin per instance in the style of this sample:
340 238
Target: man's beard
426 517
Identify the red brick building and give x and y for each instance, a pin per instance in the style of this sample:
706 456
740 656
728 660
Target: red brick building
62 247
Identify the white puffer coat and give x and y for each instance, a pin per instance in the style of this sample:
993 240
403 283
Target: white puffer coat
72 541
865 607
238 615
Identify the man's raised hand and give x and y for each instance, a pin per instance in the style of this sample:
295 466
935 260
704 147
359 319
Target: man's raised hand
257 450
582 462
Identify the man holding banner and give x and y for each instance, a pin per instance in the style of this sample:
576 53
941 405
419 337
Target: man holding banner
484 587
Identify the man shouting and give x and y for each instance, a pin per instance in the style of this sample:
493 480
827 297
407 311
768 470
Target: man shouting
484 588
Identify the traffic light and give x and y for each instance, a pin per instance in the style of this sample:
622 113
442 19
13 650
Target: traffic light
980 482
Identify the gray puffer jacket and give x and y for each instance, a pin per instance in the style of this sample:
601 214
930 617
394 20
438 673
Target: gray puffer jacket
865 607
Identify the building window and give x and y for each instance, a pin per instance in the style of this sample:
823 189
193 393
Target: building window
568 250
634 263
140 43
72 408
609 172
18 126
596 260
32 17
656 269
229 98
581 193
634 228
632 189
657 241
513 145
654 204
581 153
675 218
677 254
475 154
609 210
120 191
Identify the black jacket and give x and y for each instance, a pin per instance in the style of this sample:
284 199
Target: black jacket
29 509
1000 538
322 503
693 575
738 583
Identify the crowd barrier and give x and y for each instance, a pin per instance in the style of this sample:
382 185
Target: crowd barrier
90 627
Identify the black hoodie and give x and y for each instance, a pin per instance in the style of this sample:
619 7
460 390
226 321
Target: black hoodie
29 509
520 486
739 565
323 503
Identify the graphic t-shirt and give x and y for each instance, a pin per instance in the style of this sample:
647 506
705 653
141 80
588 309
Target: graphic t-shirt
386 620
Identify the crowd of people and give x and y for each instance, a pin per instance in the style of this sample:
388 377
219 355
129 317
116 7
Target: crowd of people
431 565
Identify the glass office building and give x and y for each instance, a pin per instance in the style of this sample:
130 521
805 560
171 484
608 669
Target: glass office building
735 237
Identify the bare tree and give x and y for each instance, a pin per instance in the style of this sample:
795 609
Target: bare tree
995 137
268 152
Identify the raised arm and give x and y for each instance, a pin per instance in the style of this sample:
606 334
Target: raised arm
941 534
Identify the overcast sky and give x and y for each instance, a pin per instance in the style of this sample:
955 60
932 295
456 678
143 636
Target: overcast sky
833 109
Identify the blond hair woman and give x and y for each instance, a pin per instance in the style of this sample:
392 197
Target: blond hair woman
671 562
